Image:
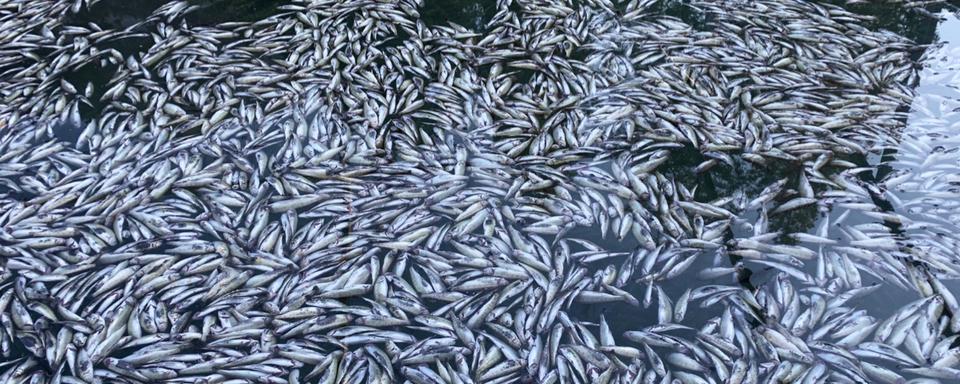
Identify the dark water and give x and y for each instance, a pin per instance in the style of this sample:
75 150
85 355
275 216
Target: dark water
470 14
119 14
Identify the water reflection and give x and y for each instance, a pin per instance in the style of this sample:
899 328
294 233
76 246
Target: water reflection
920 183
923 183
919 179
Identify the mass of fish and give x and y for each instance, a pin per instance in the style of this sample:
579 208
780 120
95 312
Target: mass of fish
342 192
